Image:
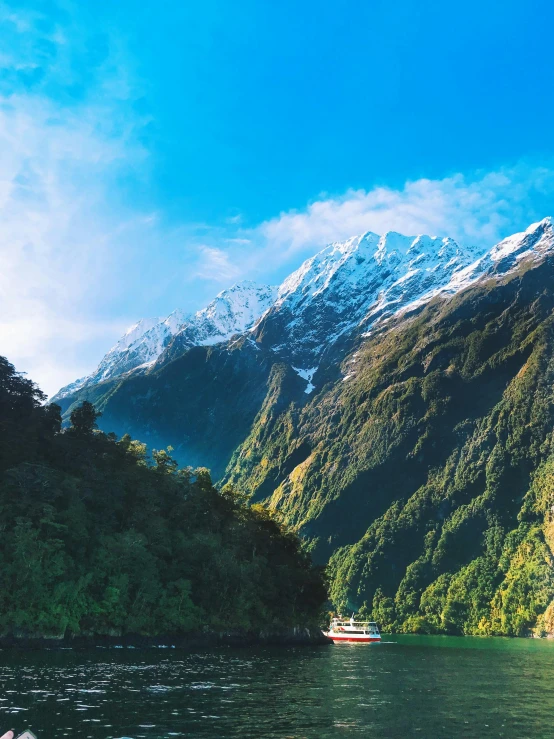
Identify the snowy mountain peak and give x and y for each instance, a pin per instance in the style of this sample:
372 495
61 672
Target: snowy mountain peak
536 238
315 275
391 241
232 311
368 271
534 244
358 283
355 283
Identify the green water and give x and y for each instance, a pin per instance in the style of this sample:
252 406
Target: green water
415 686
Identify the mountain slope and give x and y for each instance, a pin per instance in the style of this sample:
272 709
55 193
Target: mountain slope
416 474
363 279
321 314
203 403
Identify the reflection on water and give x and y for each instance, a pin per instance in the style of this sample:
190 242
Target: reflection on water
412 686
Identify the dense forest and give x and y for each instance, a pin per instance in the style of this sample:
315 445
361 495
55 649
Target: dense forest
99 538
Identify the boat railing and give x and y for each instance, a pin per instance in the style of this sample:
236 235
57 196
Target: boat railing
347 623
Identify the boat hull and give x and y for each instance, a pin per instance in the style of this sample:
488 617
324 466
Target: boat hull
365 639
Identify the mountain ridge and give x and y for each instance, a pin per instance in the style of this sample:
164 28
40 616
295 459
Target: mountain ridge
232 311
364 280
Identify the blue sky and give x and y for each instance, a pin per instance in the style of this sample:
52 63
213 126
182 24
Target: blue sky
154 153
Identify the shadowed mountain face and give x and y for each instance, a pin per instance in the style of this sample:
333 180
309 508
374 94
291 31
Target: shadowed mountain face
411 447
203 403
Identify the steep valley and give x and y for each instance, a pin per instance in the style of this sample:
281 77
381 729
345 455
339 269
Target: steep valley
414 453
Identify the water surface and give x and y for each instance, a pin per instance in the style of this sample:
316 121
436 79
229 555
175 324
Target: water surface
411 686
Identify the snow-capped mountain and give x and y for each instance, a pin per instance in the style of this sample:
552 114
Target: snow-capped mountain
424 429
358 281
367 418
358 284
348 286
232 311
531 245
140 345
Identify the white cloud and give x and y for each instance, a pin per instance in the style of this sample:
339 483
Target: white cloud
58 234
55 348
477 209
214 265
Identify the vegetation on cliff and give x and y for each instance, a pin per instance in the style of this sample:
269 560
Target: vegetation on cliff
426 477
96 538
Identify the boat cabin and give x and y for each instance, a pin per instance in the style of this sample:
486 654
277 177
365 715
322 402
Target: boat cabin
349 626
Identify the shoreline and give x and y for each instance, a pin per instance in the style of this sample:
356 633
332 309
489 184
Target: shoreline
294 636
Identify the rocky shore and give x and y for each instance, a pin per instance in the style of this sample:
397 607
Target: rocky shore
295 636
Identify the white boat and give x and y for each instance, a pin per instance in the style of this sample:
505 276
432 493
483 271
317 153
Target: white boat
349 630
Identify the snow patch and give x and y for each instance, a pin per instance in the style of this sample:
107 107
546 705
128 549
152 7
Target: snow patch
307 374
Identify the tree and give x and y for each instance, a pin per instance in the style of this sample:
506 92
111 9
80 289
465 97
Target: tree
164 461
84 418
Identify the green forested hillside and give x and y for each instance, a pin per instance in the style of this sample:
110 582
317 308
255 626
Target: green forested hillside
426 476
98 540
